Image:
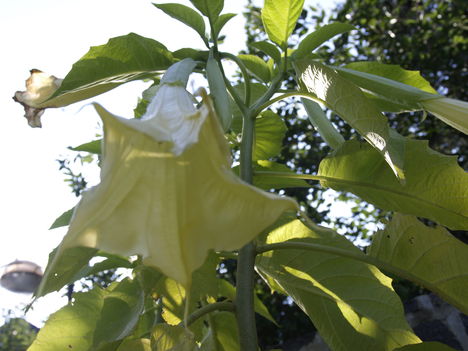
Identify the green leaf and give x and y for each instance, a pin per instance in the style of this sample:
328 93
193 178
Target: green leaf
123 59
185 15
257 67
197 55
63 220
426 346
71 264
221 22
319 36
92 319
219 92
409 245
93 147
256 91
210 8
323 285
279 18
223 334
322 124
269 134
228 291
267 48
348 101
172 338
284 177
135 345
436 187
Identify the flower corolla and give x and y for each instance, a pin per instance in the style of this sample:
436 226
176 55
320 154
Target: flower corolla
167 190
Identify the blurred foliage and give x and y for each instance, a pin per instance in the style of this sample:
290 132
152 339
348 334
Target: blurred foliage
16 334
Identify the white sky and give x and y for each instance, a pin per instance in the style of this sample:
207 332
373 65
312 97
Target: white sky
51 35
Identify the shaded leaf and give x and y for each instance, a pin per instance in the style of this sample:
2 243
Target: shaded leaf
172 338
267 48
218 92
63 220
121 60
92 319
426 346
436 187
257 67
284 178
323 285
210 8
433 256
221 22
185 15
135 345
279 18
196 55
319 36
348 101
269 134
223 334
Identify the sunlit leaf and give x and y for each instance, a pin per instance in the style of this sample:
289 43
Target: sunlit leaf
269 134
186 15
93 147
92 319
323 285
349 102
121 60
319 36
434 257
436 187
279 18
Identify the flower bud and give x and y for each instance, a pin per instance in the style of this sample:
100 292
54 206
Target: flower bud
39 87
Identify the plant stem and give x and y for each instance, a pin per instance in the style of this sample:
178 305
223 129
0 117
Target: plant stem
217 306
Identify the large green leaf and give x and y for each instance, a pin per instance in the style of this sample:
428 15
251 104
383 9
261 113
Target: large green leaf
221 22
436 187
92 319
269 134
257 67
121 60
351 303
186 15
135 345
319 36
279 18
390 83
210 8
350 103
436 259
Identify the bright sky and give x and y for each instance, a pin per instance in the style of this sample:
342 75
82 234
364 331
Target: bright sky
51 35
